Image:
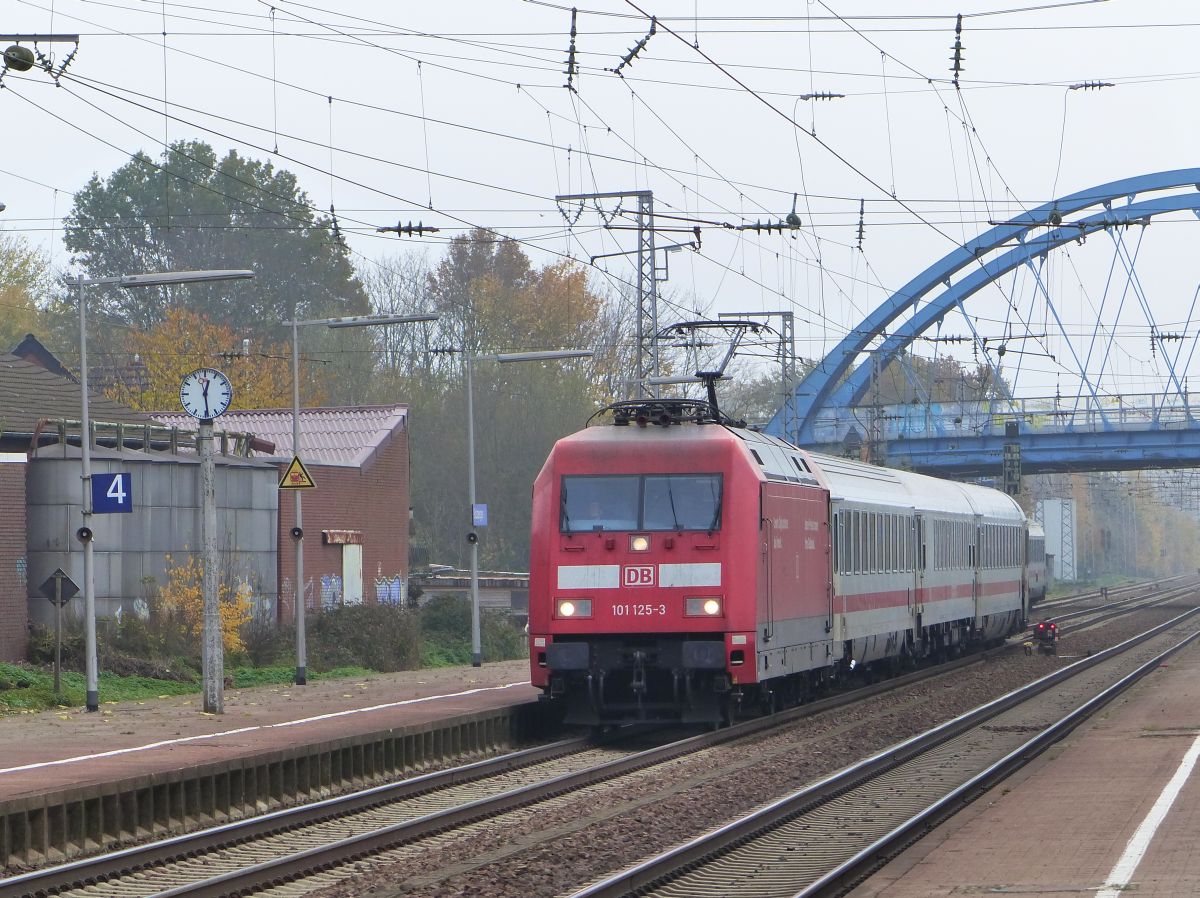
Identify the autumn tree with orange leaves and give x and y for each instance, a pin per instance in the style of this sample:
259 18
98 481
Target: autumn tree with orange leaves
261 374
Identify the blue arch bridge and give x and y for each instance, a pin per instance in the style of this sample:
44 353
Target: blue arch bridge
1095 429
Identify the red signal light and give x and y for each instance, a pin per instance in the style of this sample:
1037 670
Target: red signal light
1042 625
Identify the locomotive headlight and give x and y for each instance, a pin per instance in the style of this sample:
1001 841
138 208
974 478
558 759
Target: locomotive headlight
702 606
573 608
639 543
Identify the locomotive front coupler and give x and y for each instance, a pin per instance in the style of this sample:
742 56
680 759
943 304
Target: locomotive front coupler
638 681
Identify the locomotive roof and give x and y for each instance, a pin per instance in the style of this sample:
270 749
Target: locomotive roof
847 480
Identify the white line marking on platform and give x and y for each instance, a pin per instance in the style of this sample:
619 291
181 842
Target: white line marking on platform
1119 878
266 726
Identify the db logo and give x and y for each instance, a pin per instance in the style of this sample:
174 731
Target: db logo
639 575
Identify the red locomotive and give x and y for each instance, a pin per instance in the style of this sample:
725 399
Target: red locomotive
682 566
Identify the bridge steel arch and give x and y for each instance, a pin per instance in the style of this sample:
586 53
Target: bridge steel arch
824 386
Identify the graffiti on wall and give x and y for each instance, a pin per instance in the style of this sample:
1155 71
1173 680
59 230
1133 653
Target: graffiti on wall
389 590
331 591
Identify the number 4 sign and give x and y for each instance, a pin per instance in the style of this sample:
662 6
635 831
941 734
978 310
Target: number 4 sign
112 493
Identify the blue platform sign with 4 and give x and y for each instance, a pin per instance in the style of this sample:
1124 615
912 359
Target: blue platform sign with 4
112 493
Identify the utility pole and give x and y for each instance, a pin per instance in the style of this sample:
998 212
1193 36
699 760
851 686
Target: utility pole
786 354
647 366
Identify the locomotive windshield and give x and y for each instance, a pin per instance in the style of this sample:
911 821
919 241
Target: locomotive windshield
646 502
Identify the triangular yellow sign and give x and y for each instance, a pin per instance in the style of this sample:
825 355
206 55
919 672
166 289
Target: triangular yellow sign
296 477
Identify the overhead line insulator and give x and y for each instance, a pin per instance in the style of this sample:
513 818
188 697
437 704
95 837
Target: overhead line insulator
409 230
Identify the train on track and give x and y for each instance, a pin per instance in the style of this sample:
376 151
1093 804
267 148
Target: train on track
684 568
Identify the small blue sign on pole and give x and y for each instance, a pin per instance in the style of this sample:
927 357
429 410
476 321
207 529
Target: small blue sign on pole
479 514
112 493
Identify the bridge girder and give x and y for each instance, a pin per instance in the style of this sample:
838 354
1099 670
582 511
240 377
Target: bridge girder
1048 453
823 386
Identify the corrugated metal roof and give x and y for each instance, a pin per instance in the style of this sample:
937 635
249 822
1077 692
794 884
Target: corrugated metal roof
346 436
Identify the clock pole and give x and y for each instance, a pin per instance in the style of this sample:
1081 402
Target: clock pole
205 394
213 661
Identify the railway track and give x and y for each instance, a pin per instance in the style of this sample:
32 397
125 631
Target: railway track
825 838
1128 590
1100 614
297 842
302 842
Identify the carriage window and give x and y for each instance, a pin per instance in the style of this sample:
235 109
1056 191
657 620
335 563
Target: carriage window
860 534
630 502
852 536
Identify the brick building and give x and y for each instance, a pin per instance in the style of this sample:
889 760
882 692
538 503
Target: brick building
356 520
13 610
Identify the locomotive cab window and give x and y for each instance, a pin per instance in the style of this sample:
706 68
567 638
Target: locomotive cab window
631 502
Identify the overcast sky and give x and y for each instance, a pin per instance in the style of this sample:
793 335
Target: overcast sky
456 114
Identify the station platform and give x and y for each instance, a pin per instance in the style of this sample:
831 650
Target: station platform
51 750
1113 809
73 781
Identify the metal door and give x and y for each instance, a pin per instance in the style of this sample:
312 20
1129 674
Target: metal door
352 575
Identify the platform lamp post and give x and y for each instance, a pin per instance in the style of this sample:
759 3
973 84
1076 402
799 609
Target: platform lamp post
472 536
298 523
85 533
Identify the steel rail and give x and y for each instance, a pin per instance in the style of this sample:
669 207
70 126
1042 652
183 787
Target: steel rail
1097 593
315 859
101 868
662 868
128 860
853 870
361 846
1114 610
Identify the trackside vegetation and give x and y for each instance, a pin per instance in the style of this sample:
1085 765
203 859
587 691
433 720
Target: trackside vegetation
159 656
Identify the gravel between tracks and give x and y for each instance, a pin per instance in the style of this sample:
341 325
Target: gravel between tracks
608 827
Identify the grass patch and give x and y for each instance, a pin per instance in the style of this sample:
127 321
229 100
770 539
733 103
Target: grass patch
24 689
247 677
143 660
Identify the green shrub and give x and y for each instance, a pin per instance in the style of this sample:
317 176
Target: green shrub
379 637
266 643
446 633
74 645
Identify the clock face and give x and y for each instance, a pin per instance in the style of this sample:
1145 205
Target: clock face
205 393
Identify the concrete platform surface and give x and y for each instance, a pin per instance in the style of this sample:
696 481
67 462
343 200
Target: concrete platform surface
1059 827
45 751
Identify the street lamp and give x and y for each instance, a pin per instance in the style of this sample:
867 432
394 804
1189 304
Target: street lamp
298 523
85 533
472 538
